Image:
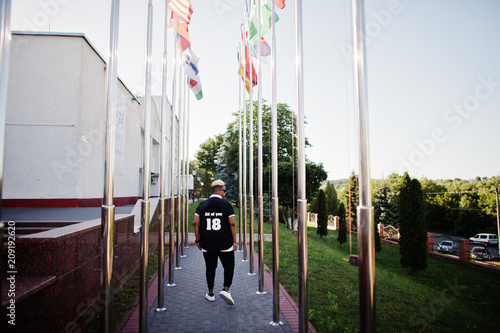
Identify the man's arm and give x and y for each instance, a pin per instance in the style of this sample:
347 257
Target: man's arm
197 229
232 224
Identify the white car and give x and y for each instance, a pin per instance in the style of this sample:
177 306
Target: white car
485 239
447 246
480 253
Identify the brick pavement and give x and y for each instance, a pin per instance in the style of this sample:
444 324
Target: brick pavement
187 310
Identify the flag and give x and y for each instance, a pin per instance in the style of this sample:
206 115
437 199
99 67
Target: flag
245 74
265 21
183 36
265 49
192 73
280 3
181 8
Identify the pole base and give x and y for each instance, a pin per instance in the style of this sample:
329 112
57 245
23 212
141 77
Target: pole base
171 285
252 273
276 324
161 309
178 268
261 292
183 256
244 260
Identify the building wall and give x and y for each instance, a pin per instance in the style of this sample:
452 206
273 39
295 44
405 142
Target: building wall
56 119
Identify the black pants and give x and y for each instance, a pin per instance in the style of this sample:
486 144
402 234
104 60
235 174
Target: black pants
227 260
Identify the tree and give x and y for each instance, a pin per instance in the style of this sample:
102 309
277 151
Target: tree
353 198
413 230
342 237
386 209
322 220
207 162
332 201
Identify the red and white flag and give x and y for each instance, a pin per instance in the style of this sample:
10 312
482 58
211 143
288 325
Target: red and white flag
181 8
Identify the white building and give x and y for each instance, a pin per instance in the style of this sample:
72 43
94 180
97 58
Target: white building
55 126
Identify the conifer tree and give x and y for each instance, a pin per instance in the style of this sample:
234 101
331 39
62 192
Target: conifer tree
413 229
322 217
342 237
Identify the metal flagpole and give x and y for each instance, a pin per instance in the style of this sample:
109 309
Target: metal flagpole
250 169
366 247
163 161
260 182
143 302
186 172
5 39
274 166
171 248
240 158
250 176
245 172
179 170
301 173
183 160
108 208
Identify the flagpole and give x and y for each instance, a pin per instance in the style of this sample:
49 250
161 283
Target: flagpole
250 171
5 40
245 170
171 246
185 164
244 148
240 159
301 173
179 169
183 160
145 204
274 167
365 210
188 97
108 208
260 181
163 161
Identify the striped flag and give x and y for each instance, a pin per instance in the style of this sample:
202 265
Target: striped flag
181 8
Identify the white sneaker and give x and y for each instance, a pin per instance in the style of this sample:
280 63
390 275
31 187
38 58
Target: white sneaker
226 296
210 297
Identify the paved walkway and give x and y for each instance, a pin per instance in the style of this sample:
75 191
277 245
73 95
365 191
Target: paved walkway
187 310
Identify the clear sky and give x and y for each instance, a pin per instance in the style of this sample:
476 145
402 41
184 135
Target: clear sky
433 69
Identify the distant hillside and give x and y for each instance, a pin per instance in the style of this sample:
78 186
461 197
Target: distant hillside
339 183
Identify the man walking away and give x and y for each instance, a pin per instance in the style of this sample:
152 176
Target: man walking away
215 233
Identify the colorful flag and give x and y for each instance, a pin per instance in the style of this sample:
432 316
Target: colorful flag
181 8
280 3
265 49
245 75
265 21
192 73
183 36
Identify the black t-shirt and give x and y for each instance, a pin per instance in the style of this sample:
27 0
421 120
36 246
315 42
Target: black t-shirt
215 231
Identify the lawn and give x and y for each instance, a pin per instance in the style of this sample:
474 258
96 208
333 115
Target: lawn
446 297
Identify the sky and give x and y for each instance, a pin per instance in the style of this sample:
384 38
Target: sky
433 75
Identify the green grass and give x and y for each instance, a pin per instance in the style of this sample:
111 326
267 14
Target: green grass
446 297
124 300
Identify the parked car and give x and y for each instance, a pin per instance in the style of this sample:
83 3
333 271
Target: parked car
447 246
485 239
480 253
